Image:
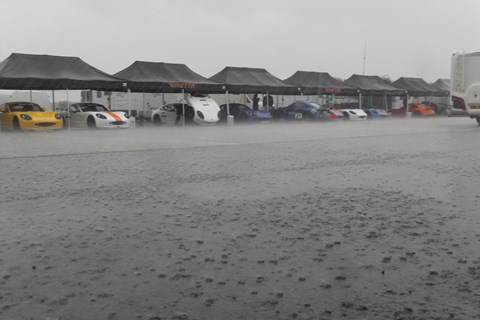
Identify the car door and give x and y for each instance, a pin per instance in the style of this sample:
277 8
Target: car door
77 117
6 117
297 111
3 116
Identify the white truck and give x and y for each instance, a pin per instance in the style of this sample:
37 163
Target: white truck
465 83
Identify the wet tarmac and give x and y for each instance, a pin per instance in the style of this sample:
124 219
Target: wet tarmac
346 220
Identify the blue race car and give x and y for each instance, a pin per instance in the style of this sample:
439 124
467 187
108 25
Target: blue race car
373 113
243 113
302 110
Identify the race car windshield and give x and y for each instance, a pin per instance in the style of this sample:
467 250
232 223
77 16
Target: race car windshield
93 108
25 107
316 106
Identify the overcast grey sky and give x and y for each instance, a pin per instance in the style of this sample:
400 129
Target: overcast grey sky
413 38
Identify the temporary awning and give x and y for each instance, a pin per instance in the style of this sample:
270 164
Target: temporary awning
164 77
373 85
46 72
442 84
418 87
252 80
317 83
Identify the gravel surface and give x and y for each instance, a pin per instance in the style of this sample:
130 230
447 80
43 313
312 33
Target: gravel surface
360 220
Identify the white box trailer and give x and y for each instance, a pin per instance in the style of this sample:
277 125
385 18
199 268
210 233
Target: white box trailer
465 82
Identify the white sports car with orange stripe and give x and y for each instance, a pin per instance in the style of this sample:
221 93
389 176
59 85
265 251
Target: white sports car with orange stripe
94 115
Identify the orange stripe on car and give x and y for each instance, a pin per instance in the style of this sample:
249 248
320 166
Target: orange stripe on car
117 118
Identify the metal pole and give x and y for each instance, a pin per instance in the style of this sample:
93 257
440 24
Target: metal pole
183 108
68 110
407 102
163 99
359 100
228 105
144 109
129 103
31 99
386 103
268 103
53 100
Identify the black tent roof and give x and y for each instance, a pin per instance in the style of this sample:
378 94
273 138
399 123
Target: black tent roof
314 83
373 85
145 76
442 84
252 80
45 72
418 87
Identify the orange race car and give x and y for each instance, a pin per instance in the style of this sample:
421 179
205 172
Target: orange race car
417 110
28 116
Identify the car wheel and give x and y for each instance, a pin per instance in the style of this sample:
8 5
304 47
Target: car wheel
307 116
15 124
91 123
157 120
189 114
243 118
346 116
416 114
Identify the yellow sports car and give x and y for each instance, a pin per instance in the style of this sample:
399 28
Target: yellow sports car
28 116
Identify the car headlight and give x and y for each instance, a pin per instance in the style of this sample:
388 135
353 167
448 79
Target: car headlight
200 114
127 116
57 116
25 117
100 116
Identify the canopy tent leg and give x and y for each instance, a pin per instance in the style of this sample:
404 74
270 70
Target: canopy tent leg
268 103
144 109
53 100
230 119
276 104
183 108
68 110
386 103
333 99
407 103
129 103
359 100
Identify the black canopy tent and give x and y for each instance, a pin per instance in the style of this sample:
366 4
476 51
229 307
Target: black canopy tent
373 86
45 72
317 83
240 80
252 80
442 84
418 87
143 76
164 77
